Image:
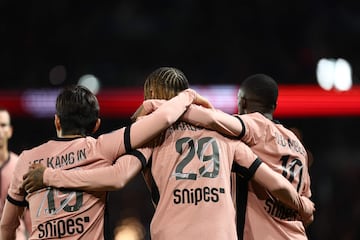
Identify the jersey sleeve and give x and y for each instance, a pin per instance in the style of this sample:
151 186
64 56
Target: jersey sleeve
255 127
246 162
162 118
100 179
112 145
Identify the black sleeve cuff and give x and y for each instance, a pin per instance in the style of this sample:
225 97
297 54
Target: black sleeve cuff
127 142
243 127
247 173
16 202
139 156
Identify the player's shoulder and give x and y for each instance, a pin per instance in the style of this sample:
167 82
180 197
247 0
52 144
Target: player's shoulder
256 123
254 115
255 118
116 132
230 141
34 149
286 131
50 145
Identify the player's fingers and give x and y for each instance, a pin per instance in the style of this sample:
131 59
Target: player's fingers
309 205
25 185
28 183
26 175
308 220
32 189
35 165
29 187
138 113
200 100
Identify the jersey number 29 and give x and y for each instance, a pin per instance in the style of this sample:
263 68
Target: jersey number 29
198 147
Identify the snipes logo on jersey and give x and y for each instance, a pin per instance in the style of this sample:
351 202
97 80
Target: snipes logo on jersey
62 227
197 195
279 210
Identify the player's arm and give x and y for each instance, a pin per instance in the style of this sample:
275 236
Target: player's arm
283 190
215 119
210 118
108 178
167 114
10 220
275 183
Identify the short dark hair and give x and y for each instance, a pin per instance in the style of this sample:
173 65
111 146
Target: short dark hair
263 88
78 110
165 83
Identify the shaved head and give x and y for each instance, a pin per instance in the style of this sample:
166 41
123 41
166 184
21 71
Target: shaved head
258 93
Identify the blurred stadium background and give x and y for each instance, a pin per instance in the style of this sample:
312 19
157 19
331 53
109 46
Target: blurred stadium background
115 44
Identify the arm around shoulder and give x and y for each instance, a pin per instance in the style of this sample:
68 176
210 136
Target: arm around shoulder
109 178
213 119
162 118
282 189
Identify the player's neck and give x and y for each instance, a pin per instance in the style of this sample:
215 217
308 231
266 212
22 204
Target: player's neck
60 134
268 115
70 136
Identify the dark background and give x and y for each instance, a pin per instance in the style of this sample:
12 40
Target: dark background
213 42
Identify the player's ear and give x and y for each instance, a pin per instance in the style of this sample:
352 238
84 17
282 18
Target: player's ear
11 131
243 103
57 123
97 125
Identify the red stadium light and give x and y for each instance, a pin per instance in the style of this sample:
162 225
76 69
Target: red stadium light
298 101
313 101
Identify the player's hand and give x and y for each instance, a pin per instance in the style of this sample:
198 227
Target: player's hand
306 222
307 215
200 100
33 180
138 113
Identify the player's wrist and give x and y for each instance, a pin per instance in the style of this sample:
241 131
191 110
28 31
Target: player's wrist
46 176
